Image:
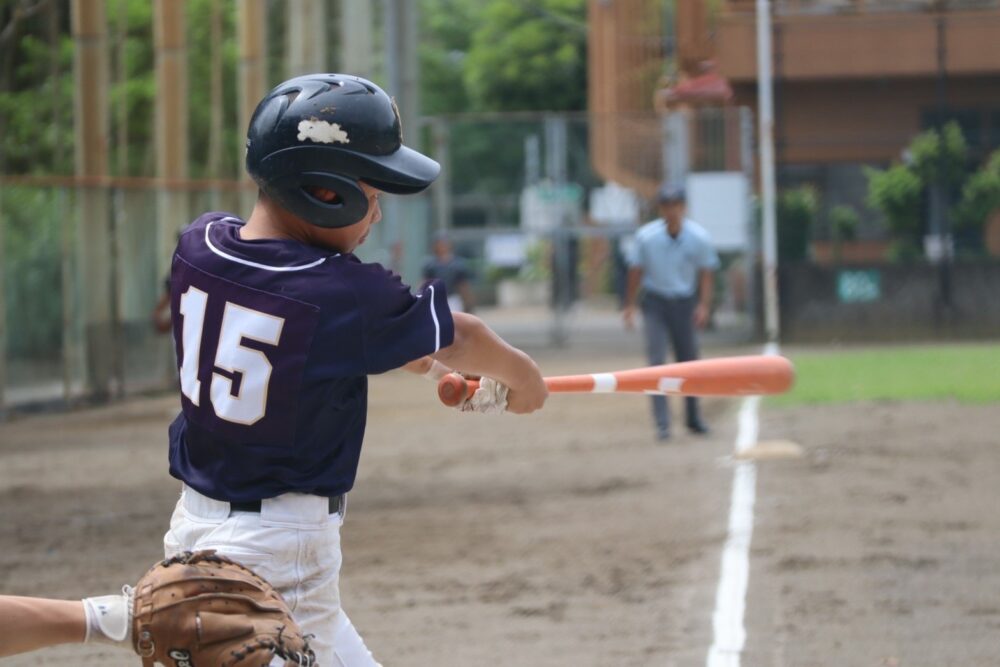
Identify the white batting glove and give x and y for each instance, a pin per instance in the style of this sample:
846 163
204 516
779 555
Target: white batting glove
489 398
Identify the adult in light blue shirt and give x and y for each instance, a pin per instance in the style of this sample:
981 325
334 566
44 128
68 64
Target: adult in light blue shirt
672 259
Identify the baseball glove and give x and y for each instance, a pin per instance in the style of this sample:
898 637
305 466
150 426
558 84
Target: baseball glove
200 609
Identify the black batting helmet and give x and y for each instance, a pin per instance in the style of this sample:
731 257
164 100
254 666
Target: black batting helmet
331 131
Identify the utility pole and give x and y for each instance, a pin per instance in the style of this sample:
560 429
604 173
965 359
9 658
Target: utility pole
765 105
401 72
171 135
3 308
215 98
356 38
306 37
940 195
90 119
251 31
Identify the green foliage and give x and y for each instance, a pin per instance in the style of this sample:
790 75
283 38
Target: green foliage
37 133
940 157
937 158
33 222
35 108
967 373
902 251
980 195
796 213
536 267
199 37
488 157
844 223
896 192
529 56
447 29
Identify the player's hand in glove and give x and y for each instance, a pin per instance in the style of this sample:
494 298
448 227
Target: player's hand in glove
201 609
209 610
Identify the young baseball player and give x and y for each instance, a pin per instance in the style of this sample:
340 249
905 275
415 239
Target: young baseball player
277 326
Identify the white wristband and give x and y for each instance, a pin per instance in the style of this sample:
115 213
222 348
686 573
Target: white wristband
109 618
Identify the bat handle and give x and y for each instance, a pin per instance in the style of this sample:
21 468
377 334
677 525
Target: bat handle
453 389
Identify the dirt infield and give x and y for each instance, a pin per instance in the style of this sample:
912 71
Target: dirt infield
570 537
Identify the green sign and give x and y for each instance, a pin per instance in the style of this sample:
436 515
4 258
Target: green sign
859 286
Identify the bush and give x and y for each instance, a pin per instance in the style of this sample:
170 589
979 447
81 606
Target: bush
980 196
896 192
940 157
844 223
33 271
796 213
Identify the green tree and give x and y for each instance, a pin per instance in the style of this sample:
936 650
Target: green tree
980 195
36 133
897 192
529 56
447 27
844 223
940 156
796 213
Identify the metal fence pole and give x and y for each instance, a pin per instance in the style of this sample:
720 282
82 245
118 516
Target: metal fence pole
306 36
753 242
765 102
356 38
251 30
171 133
90 70
3 310
441 189
70 331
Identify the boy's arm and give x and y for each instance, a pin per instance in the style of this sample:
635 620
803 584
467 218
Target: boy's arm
478 350
631 295
28 624
428 366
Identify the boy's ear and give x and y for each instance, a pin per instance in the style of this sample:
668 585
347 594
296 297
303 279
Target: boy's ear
325 195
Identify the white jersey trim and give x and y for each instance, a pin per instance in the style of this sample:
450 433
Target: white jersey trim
257 265
437 325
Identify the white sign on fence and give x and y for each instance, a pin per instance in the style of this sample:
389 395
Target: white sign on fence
719 201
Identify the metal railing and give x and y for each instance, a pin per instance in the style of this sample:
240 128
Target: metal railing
840 7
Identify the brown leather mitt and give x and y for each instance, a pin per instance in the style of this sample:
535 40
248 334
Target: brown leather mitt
200 609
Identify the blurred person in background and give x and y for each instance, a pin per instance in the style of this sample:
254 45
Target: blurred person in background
453 271
673 261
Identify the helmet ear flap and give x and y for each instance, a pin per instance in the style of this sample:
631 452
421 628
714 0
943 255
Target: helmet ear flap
349 207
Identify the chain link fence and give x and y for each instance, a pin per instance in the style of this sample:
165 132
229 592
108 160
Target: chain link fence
543 207
540 206
79 308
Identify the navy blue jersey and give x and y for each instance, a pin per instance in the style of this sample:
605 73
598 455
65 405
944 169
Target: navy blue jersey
274 341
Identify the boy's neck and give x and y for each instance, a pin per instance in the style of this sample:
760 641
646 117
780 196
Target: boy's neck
267 222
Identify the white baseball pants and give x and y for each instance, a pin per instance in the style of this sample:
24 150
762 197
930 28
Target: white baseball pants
293 543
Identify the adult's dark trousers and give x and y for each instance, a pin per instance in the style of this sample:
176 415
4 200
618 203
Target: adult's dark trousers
669 320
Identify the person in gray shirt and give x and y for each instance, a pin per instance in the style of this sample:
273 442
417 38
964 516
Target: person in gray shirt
673 261
453 271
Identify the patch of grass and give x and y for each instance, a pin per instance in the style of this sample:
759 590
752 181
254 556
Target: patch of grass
967 373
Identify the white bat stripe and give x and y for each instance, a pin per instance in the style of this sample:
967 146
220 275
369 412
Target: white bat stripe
604 383
670 385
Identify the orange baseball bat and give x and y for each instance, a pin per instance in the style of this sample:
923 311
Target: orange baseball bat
723 376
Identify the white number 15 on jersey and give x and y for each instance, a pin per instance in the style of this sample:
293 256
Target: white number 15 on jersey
248 405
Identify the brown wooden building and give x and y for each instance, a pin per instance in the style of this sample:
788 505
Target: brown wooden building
855 80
